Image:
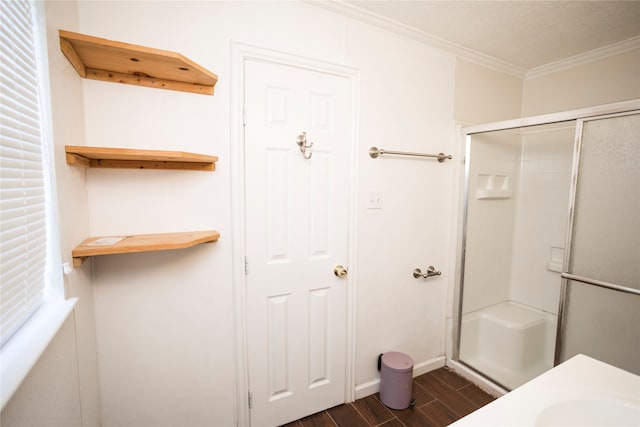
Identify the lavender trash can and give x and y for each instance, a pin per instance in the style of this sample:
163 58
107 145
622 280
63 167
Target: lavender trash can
396 378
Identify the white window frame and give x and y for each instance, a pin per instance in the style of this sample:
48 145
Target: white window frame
21 352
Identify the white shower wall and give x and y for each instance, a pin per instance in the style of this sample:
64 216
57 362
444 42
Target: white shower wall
490 222
541 216
511 241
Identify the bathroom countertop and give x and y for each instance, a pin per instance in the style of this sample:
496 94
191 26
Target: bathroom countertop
582 391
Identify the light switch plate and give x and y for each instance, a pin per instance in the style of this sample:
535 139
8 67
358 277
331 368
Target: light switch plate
374 201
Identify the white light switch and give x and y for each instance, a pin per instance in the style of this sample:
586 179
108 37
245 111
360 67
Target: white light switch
374 201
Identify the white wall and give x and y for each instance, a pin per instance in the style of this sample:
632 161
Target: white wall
611 79
164 321
406 104
49 395
484 95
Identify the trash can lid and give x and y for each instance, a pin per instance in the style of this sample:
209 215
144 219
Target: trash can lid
398 362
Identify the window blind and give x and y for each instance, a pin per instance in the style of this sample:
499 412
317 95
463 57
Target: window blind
23 207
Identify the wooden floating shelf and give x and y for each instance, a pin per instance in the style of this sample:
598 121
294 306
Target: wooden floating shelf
125 158
112 61
140 243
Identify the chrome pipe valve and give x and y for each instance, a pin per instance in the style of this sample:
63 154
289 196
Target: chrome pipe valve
431 271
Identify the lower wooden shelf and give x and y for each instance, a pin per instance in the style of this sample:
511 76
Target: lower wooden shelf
111 245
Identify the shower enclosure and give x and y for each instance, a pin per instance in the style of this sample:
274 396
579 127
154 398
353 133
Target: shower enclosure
550 251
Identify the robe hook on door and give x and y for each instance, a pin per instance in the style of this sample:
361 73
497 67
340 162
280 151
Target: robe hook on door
305 148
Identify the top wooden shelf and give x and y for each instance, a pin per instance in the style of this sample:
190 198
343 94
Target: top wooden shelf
101 59
103 157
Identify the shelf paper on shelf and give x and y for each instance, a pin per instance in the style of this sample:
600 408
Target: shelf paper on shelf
106 241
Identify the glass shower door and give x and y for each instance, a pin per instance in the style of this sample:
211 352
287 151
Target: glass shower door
601 307
517 192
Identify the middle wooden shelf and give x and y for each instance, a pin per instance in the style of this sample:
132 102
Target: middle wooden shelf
127 158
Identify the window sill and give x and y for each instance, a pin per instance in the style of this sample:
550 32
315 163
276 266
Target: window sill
24 349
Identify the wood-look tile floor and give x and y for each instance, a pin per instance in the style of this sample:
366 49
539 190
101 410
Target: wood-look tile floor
442 397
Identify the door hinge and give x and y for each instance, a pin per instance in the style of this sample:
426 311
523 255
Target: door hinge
244 115
250 396
246 266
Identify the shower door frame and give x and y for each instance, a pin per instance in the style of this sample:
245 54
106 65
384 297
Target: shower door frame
565 275
578 115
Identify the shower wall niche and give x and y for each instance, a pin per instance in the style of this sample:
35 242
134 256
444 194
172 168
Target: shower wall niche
516 218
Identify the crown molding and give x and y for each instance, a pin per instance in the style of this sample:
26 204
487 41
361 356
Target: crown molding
584 58
350 11
471 55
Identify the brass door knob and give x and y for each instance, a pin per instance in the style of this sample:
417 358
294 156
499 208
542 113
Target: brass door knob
340 271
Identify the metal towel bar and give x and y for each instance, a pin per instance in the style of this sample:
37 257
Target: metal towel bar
374 152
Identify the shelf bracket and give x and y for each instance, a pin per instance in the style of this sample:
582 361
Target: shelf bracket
77 261
67 48
75 160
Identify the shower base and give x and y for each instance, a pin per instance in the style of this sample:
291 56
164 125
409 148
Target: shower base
508 342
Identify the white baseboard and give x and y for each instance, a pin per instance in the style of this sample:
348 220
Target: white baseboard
367 389
428 366
372 387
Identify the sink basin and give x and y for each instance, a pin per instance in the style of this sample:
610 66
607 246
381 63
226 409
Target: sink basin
595 411
579 392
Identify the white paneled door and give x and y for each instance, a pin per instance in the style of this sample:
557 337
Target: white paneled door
297 220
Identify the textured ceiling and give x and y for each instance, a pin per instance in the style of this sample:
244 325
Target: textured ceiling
527 34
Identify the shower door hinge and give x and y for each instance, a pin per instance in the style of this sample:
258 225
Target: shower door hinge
244 115
246 266
250 396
